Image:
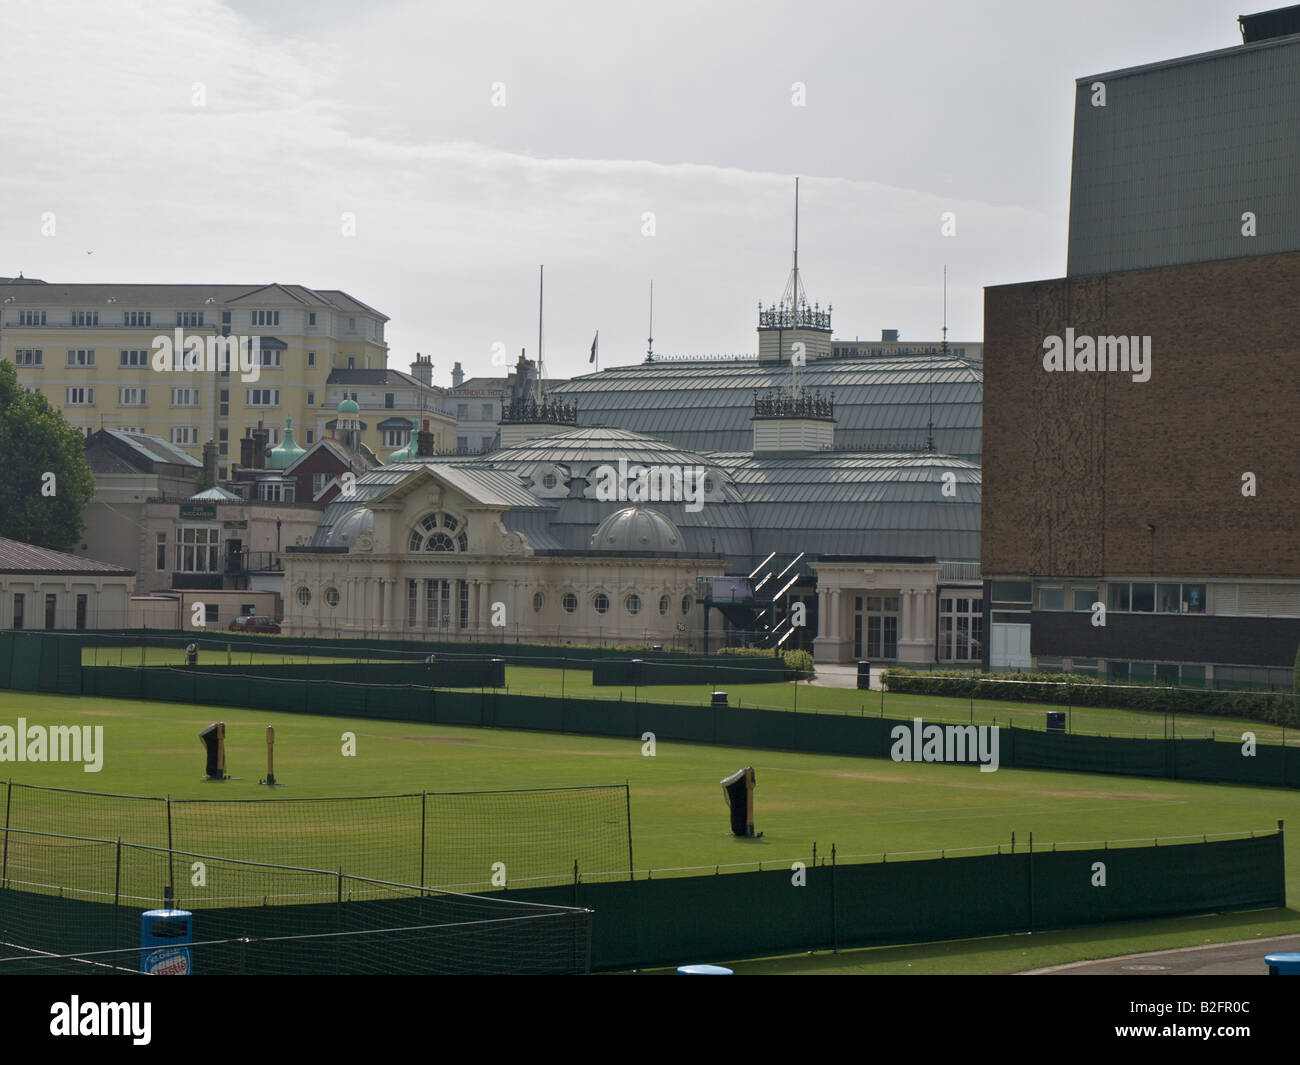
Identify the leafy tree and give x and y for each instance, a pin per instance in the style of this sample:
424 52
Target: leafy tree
35 441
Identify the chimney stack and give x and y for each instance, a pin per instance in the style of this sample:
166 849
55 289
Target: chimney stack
209 464
457 376
422 369
424 441
260 438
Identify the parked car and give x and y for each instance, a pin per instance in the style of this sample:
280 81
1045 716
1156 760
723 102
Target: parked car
254 623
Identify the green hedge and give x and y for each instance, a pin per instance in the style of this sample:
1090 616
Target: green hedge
1275 708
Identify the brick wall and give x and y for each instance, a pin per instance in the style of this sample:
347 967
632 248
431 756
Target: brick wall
1075 464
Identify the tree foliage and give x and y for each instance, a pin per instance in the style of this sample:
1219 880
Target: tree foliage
35 441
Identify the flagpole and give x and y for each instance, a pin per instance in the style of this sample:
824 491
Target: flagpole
541 279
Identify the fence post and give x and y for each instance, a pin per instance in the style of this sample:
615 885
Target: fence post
423 831
4 863
835 930
627 798
117 892
1031 881
171 856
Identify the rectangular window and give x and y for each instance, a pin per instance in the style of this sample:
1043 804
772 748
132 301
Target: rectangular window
196 549
1167 673
394 437
137 318
352 325
81 397
225 320
84 318
30 318
1141 671
311 436
270 357
135 357
160 547
263 397
1119 598
224 402
223 441
51 605
186 435
311 356
1085 666
1084 596
318 483
130 397
29 357
1193 676
1144 598
266 317
185 397
1168 597
311 320
462 443
487 443
462 411
19 600
1118 670
1193 599
311 399
389 399
189 318
81 356
487 412
81 611
464 604
1051 597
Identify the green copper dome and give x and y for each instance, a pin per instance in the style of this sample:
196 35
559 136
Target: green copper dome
407 453
286 452
349 406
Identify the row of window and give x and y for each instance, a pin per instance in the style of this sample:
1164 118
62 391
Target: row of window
438 594
183 318
142 359
1136 597
51 609
487 412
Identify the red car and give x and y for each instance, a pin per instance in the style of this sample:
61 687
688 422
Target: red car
254 623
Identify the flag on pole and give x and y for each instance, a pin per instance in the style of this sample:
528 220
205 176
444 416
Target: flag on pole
595 343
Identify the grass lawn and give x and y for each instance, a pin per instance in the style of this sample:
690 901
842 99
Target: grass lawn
802 697
679 818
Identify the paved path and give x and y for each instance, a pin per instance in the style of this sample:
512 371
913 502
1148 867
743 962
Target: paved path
1243 958
836 676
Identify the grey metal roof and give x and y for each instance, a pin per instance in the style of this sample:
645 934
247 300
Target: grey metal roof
154 448
56 293
825 502
880 403
18 557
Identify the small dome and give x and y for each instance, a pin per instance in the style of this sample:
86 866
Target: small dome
286 452
350 526
637 529
409 451
349 406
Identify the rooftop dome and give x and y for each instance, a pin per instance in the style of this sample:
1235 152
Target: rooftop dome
407 452
346 529
349 406
637 529
286 452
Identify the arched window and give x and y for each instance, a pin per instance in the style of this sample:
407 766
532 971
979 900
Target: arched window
438 532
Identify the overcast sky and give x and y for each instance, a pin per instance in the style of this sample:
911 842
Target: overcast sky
193 140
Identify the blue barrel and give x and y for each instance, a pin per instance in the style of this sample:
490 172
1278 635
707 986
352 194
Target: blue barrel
1285 964
165 938
703 970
